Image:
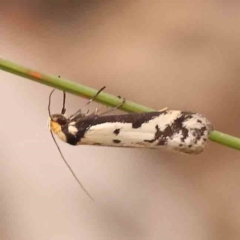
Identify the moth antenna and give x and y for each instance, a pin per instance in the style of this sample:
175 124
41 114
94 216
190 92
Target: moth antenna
63 111
64 101
49 104
94 97
59 150
65 161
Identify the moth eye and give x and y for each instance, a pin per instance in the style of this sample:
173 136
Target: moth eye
62 121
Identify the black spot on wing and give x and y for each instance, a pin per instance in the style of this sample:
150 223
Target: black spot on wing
138 123
161 136
116 131
116 141
71 139
184 132
176 127
199 133
144 118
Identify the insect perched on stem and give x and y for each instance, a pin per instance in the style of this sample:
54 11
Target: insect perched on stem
165 129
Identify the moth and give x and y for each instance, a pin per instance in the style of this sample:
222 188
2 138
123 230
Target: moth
165 129
176 130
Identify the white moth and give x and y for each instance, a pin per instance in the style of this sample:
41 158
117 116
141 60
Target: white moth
171 129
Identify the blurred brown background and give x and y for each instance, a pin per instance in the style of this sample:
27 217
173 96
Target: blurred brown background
180 54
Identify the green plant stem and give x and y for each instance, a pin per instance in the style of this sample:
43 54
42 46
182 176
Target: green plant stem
104 98
225 139
71 87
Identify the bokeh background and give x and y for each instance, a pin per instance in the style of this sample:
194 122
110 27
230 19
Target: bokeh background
177 54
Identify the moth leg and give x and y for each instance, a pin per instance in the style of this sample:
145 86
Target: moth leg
64 103
63 111
163 109
94 97
79 112
96 111
113 109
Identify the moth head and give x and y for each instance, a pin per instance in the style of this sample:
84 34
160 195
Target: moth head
57 121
